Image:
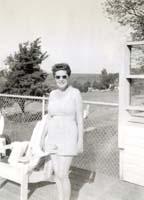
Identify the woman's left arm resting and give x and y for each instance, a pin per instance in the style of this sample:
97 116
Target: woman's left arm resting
79 119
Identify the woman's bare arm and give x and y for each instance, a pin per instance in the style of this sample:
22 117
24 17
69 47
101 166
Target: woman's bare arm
79 119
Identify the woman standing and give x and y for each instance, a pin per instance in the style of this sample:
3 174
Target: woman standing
65 127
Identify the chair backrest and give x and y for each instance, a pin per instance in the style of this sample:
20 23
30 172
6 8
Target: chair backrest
86 111
18 150
1 124
36 137
2 139
29 148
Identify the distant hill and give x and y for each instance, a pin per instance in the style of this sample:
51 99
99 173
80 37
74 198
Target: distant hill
81 78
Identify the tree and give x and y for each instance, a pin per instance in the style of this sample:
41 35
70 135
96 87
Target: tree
104 79
127 12
88 83
85 86
94 85
24 76
98 85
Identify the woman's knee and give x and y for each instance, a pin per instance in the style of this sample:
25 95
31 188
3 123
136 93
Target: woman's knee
62 167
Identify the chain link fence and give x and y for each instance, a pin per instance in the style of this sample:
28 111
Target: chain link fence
21 114
101 141
100 138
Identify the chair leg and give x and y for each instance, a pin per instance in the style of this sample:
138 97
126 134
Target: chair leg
2 182
24 188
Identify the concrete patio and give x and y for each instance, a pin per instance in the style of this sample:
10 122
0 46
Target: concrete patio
84 187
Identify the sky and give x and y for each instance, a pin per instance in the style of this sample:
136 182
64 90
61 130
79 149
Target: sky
73 31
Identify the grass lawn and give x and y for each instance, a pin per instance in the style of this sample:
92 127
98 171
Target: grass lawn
104 96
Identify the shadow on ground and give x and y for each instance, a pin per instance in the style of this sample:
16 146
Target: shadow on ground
80 177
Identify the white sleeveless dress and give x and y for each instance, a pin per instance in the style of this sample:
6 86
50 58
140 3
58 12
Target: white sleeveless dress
62 123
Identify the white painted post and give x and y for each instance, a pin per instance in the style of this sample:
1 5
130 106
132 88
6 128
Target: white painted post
2 149
124 87
24 186
124 100
43 106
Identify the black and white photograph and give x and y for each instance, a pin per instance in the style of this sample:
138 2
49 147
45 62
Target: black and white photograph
72 100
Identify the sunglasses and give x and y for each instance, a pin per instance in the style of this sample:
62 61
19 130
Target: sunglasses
63 77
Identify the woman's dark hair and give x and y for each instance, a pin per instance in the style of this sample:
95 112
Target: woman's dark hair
61 66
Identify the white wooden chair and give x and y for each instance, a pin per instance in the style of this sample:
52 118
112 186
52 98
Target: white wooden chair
25 156
2 139
23 159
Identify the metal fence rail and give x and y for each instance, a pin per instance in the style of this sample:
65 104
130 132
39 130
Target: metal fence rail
100 141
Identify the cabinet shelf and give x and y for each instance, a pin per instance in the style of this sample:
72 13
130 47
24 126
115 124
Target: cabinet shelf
133 43
135 76
136 121
135 108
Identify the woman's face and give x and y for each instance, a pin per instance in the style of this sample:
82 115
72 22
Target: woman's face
62 79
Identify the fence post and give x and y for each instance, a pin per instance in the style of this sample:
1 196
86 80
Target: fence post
43 106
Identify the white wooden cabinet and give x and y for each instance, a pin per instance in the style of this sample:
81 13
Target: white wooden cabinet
131 116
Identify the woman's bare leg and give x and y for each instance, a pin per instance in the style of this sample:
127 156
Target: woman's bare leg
61 168
55 162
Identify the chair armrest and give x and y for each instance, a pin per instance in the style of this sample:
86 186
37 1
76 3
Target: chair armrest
5 147
8 146
40 154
